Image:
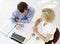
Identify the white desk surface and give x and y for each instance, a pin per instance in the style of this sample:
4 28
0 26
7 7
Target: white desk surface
6 40
26 32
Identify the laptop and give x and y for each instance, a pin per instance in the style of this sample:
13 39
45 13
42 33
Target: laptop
17 38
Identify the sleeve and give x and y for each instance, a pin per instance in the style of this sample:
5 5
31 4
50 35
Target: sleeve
30 13
12 19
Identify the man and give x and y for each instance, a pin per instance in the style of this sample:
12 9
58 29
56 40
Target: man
23 14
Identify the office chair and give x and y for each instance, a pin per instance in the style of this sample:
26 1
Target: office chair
56 36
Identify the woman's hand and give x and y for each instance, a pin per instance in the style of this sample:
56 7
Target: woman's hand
35 29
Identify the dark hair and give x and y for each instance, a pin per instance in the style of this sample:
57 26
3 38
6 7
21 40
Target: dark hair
22 6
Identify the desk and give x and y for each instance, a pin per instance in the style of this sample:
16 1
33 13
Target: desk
6 40
27 32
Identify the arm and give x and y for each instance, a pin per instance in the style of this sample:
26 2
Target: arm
13 19
30 15
31 12
37 22
44 38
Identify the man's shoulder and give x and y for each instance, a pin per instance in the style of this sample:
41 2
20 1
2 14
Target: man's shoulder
16 12
31 8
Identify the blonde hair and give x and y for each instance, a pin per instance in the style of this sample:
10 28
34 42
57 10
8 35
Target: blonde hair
49 14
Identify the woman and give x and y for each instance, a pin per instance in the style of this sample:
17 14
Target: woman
48 29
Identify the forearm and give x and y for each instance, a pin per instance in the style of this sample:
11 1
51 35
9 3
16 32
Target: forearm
23 21
44 38
41 36
37 22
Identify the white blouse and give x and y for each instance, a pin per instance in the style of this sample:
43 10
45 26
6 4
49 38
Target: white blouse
49 28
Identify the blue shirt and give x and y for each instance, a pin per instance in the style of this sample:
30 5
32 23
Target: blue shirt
22 19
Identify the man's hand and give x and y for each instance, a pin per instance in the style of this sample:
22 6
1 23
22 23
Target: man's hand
17 19
18 26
